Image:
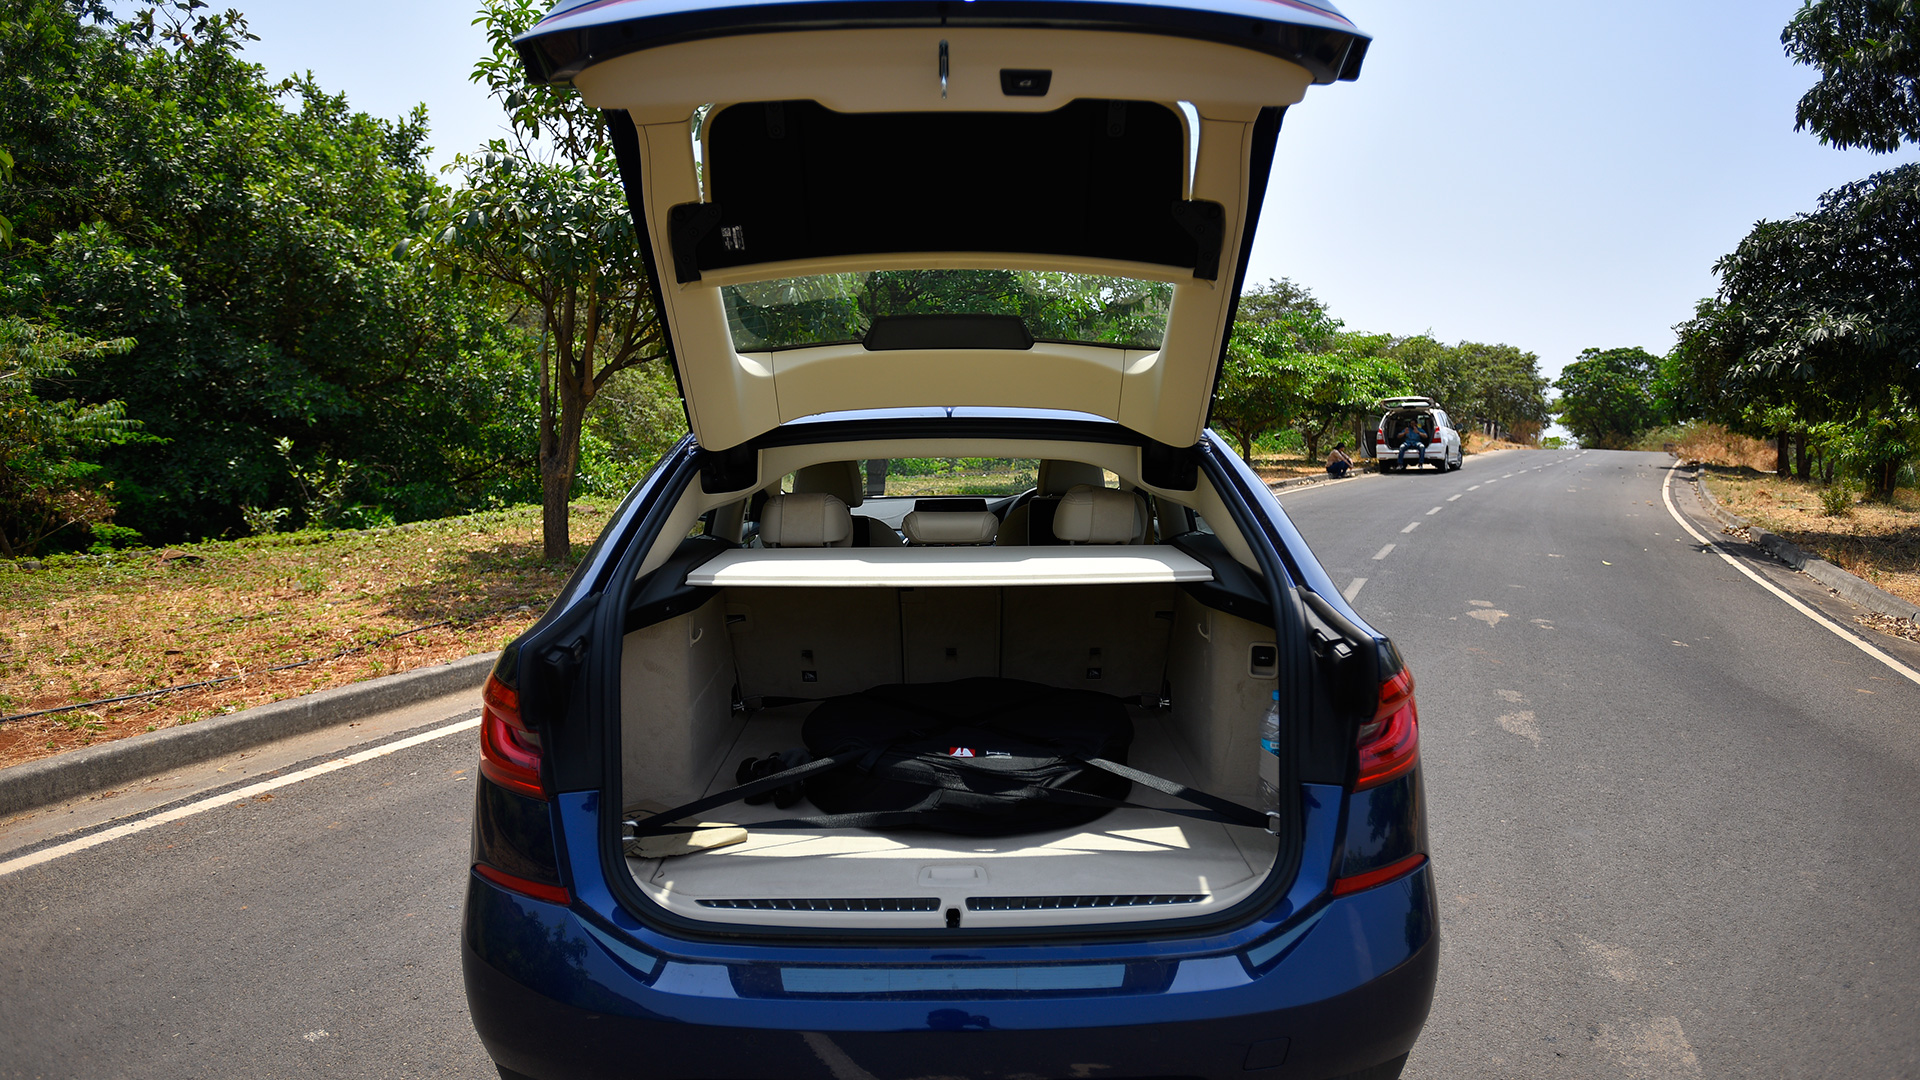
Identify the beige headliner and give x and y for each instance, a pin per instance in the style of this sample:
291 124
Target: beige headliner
733 397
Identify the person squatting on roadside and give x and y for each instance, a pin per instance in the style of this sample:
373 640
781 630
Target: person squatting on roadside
1338 462
1414 439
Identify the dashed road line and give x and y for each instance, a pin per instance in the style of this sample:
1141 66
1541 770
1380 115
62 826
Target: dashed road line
1475 487
1434 511
1353 589
1455 495
1411 527
48 854
1382 553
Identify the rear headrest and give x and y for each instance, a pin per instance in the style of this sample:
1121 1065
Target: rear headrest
806 519
1060 477
941 527
1097 515
840 479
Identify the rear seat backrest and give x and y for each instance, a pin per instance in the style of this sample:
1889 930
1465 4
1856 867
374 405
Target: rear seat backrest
1091 515
948 527
806 519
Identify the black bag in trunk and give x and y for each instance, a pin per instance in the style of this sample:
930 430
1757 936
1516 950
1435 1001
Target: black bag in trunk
981 757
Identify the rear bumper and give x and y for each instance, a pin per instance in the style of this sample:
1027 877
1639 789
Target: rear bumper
555 995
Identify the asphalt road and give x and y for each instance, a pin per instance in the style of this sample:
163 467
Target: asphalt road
1672 819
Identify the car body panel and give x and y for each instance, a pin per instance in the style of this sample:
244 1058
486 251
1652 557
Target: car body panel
579 34
561 991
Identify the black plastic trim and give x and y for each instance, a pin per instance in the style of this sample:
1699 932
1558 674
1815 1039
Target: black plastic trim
664 593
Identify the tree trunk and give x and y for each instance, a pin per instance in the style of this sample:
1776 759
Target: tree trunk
1801 466
1780 454
559 457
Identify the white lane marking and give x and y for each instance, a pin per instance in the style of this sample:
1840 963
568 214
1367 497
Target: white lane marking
1411 527
1455 495
1433 511
1475 487
1666 496
1496 479
1353 589
1382 553
1505 477
248 792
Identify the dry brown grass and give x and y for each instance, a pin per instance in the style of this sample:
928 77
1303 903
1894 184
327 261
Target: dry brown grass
154 619
1878 541
1473 442
1711 444
1274 468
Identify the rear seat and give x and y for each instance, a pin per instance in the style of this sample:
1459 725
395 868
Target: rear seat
1098 515
1032 521
841 479
806 519
947 527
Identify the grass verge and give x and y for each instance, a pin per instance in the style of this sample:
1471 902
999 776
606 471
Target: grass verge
1873 540
88 630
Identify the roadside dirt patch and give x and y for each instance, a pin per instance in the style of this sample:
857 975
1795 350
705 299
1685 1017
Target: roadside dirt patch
1878 541
196 613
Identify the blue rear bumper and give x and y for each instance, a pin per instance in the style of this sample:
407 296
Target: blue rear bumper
1314 989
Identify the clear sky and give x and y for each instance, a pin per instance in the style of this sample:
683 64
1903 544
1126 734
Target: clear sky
1546 174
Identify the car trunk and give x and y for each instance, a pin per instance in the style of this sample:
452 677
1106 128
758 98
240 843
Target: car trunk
735 678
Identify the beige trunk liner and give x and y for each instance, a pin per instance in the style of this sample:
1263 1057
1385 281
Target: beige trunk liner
1128 853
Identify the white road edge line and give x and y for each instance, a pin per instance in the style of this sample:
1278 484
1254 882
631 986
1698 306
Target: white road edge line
1858 643
248 792
1382 553
1353 589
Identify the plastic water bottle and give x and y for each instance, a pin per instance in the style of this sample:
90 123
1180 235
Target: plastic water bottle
1270 758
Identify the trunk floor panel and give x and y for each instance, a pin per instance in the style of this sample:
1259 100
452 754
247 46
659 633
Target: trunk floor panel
1133 860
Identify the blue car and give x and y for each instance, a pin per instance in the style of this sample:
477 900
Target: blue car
951 702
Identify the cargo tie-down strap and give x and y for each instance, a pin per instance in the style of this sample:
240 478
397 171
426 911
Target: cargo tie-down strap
1210 807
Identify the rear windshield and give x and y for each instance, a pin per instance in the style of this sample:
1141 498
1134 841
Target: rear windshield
825 309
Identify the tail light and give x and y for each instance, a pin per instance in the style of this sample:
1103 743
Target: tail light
1390 743
513 835
1386 831
1436 438
509 749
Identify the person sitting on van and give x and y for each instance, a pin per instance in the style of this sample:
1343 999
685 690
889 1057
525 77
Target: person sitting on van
1338 462
1414 439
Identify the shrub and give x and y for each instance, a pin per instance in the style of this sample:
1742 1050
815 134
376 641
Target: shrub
1836 500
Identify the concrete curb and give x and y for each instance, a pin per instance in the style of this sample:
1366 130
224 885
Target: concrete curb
80 772
1868 596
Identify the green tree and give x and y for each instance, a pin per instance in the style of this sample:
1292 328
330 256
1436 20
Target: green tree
1818 318
554 235
1606 396
252 237
46 485
1299 370
1477 383
1274 301
1868 56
